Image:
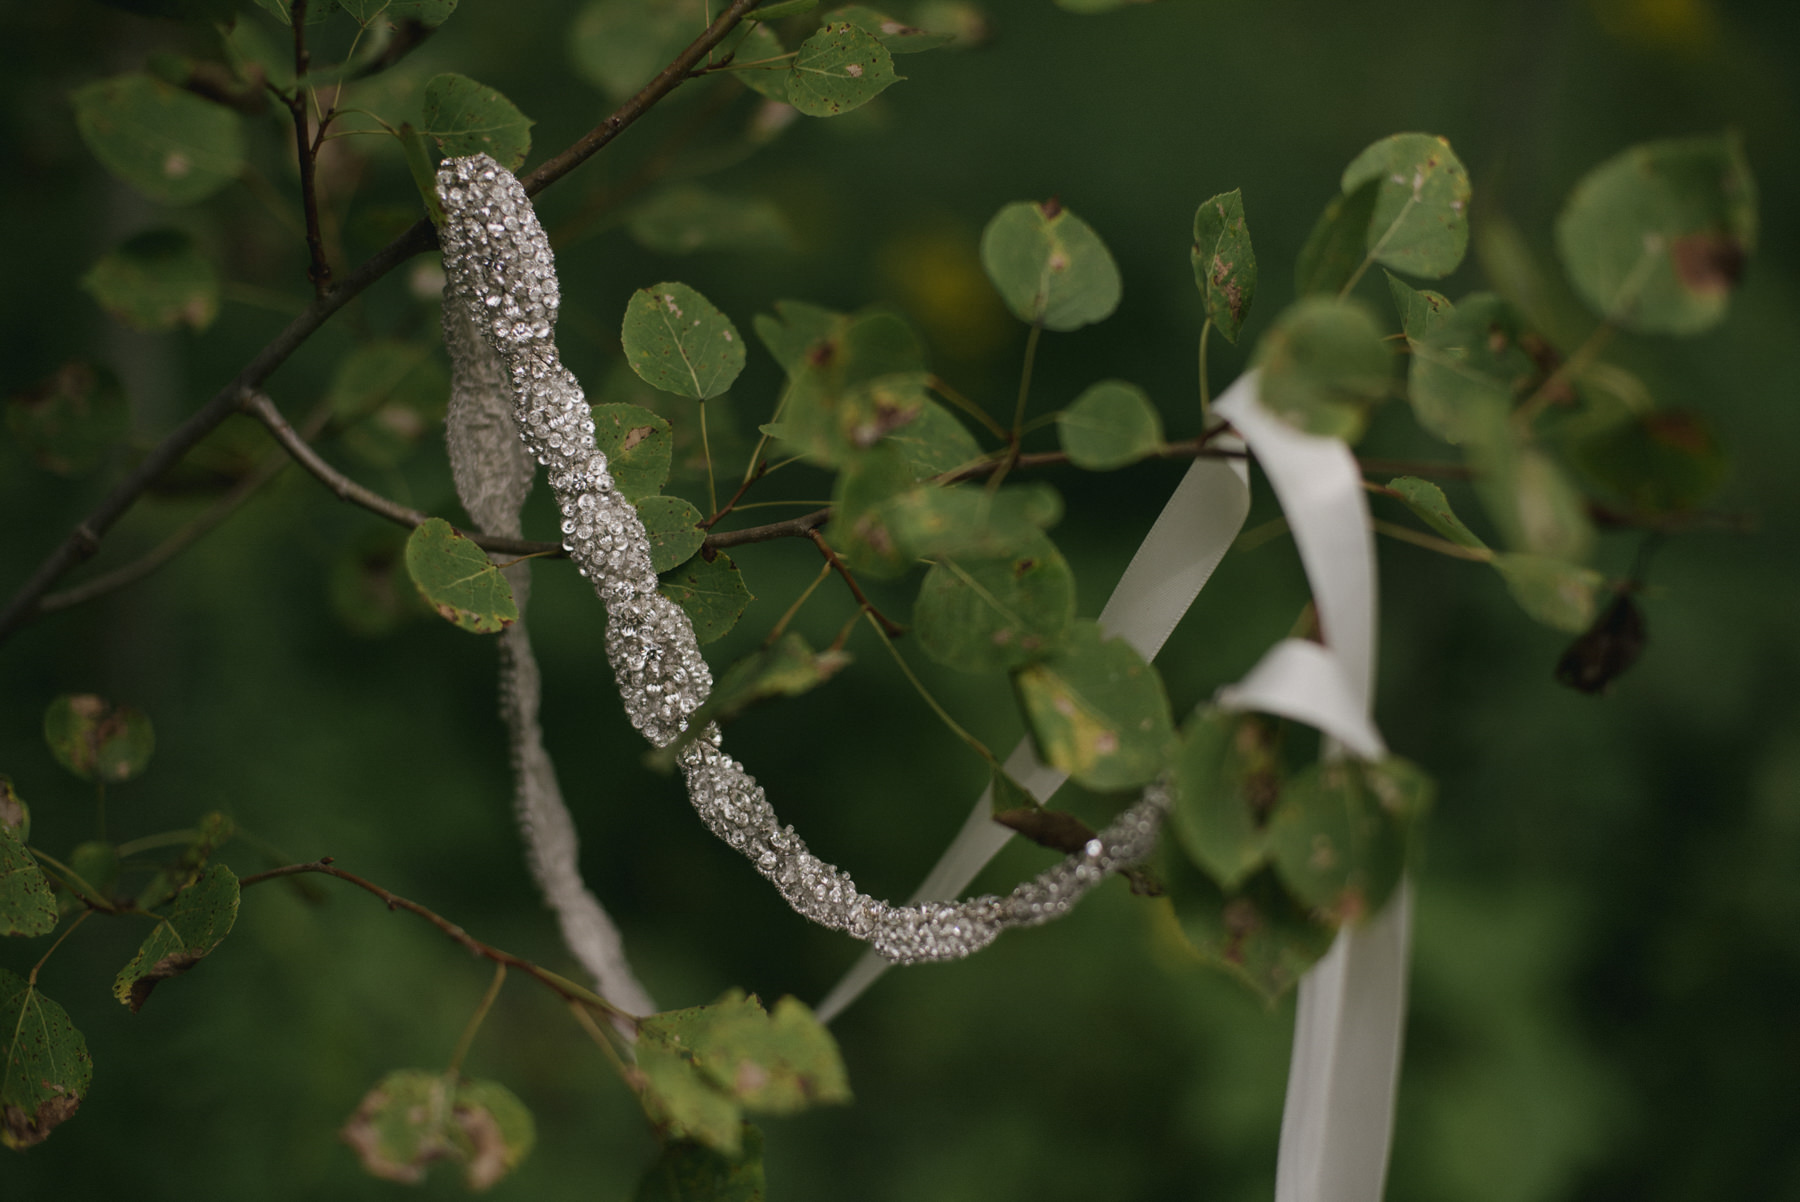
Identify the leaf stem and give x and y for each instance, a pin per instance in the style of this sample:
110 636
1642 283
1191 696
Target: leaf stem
938 385
566 989
712 491
1431 542
475 1020
776 630
979 747
71 880
843 569
31 978
152 842
1031 344
1205 383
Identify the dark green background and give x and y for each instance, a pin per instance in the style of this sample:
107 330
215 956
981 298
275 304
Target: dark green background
1608 941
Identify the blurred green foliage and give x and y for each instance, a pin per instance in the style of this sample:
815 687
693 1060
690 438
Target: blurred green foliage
1607 948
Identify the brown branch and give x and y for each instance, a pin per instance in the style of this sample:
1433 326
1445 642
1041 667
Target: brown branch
665 82
82 542
1427 469
800 527
307 151
762 470
892 628
557 984
346 489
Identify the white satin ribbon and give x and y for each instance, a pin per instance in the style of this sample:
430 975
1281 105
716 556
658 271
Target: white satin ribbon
1337 1124
1338 1119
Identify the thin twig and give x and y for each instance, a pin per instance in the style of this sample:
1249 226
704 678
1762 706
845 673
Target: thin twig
756 473
800 527
1427 469
84 540
557 984
346 489
307 150
889 627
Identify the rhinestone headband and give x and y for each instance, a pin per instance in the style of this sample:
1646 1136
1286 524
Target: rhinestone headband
501 276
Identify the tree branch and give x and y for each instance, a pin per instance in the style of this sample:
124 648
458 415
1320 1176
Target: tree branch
346 489
891 628
560 985
84 540
665 82
800 527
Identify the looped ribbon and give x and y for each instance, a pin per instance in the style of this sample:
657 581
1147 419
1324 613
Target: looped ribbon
1338 1117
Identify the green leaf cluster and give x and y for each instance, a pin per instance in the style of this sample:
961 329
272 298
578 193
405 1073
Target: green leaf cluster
1267 864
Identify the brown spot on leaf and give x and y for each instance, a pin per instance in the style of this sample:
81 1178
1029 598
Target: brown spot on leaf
1056 829
1679 431
172 965
635 435
487 1152
1051 209
25 1130
1708 263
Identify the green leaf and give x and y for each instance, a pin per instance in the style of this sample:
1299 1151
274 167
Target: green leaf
197 922
620 45
1323 365
860 529
413 1117
97 740
1656 238
1538 510
786 668
1530 284
96 862
837 69
1338 245
757 45
430 13
1335 847
1109 425
46 1070
1049 266
27 906
983 614
678 341
15 815
1661 463
458 580
673 527
1466 373
897 36
683 1101
210 833
781 1062
1226 776
692 1172
389 394
423 168
156 281
1257 932
1551 591
1097 711
712 592
682 219
466 117
638 445
780 9
1009 796
859 381
1421 311
1429 505
167 143
1224 262
1420 223
935 442
968 520
71 422
796 328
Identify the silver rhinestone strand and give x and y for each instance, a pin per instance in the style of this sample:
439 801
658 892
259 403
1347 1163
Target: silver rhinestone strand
493 474
498 263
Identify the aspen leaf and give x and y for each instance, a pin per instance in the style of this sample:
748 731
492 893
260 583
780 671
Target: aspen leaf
638 446
167 143
837 69
1110 424
688 1171
97 740
994 613
45 1068
678 341
1224 262
413 1118
1097 711
71 422
712 593
1420 220
27 907
466 117
672 525
1323 365
1049 266
458 580
196 922
156 281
